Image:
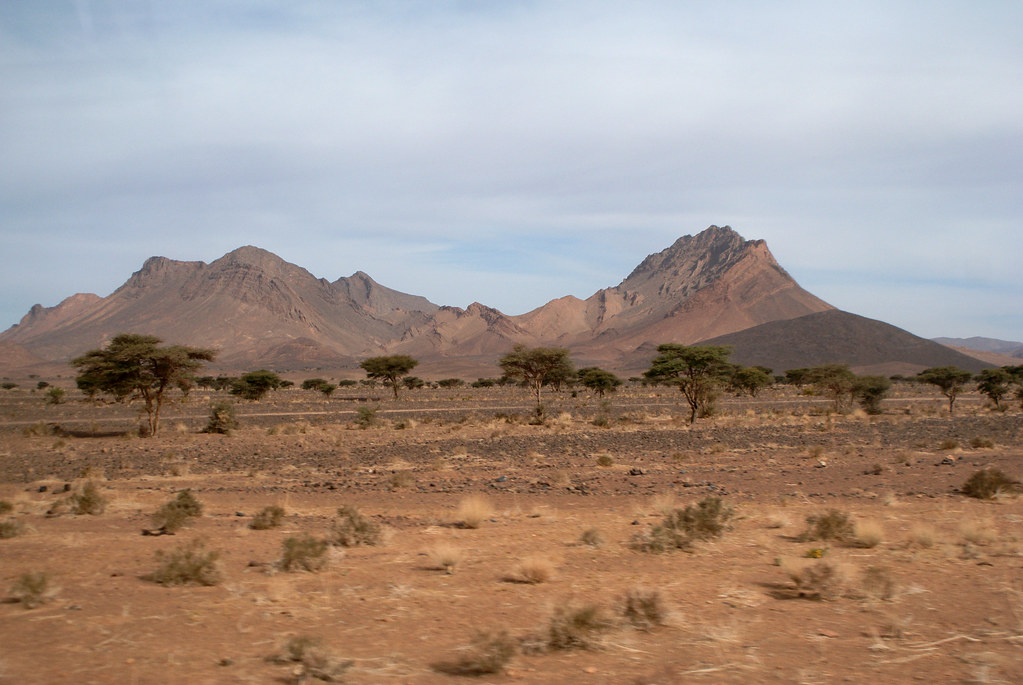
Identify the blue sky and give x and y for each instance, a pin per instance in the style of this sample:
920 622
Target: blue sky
514 152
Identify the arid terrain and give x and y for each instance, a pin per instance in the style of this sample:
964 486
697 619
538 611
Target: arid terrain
490 524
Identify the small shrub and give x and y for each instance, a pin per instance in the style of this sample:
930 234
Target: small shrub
709 518
979 443
303 553
176 514
601 421
949 444
5 507
33 589
833 525
88 501
222 419
605 461
11 529
55 395
351 529
489 652
539 417
366 416
532 571
445 556
990 483
268 517
473 511
868 534
823 580
313 660
922 536
401 479
592 537
644 609
576 627
878 583
978 531
187 564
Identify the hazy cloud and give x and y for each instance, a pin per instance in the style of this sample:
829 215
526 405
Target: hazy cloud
514 152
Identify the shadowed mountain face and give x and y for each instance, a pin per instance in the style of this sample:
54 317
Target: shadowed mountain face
259 310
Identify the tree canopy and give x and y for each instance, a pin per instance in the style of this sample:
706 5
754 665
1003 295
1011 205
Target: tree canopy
390 369
254 385
598 380
536 366
697 370
134 365
951 380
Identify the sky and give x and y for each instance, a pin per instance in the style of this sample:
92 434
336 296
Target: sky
513 152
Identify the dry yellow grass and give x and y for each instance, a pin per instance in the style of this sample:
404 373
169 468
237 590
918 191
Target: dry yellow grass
473 511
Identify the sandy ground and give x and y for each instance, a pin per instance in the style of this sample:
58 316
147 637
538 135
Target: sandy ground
938 597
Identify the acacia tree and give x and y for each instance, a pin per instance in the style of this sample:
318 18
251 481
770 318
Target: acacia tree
254 385
134 365
536 365
995 384
835 381
750 379
390 369
870 390
697 370
950 380
598 380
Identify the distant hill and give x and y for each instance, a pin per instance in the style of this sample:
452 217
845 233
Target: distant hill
260 310
1007 348
834 336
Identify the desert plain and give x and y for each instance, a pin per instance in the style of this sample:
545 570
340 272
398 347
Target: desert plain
515 545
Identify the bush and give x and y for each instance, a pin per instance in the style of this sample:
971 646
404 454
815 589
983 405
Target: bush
979 443
222 418
707 519
605 461
11 529
33 589
990 483
55 395
823 580
303 553
488 653
643 609
351 529
6 507
176 514
187 564
367 416
88 500
576 627
314 661
473 511
833 525
592 537
532 571
268 517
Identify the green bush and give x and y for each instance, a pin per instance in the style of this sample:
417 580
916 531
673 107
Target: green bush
367 416
709 518
222 418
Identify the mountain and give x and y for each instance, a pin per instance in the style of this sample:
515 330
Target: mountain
868 346
1007 348
260 310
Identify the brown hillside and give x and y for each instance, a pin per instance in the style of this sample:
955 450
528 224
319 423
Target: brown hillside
835 336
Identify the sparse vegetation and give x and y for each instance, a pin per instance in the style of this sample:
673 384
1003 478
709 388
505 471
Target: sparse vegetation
644 609
366 416
303 553
592 537
832 525
12 528
178 513
312 660
576 626
446 556
33 588
489 652
473 511
187 564
222 419
352 529
390 369
532 570
268 517
5 507
989 484
822 579
681 528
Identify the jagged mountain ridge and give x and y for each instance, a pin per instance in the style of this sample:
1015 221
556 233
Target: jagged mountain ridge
258 309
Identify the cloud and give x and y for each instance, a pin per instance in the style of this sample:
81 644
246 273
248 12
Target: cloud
552 143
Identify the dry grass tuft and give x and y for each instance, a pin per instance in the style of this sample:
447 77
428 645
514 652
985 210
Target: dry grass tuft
922 535
489 652
188 564
833 525
303 553
12 529
576 627
877 583
267 518
592 537
990 484
821 580
644 609
473 511
978 531
445 556
352 529
532 571
33 589
313 660
868 534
